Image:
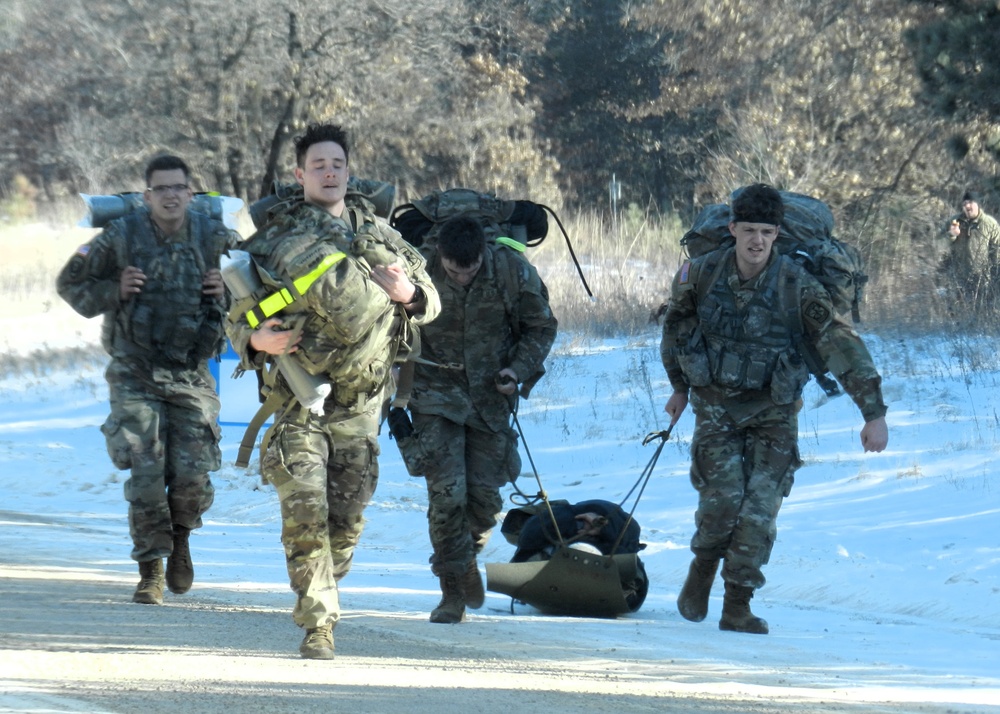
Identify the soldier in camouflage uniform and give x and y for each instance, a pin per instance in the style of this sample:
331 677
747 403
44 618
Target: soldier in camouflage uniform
973 262
731 345
493 334
155 277
353 294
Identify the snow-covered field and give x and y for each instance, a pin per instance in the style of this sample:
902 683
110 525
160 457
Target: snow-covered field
883 588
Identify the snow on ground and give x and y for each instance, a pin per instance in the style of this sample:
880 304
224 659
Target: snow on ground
884 584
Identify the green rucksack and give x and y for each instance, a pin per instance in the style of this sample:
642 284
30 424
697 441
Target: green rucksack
523 222
377 195
518 224
806 236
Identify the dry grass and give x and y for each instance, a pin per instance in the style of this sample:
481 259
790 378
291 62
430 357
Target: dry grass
628 265
33 254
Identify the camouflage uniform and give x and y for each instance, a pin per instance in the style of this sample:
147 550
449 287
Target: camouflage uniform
974 260
164 409
734 347
459 417
325 468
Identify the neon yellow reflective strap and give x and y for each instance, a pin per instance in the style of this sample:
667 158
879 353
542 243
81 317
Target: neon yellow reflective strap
305 282
511 243
276 302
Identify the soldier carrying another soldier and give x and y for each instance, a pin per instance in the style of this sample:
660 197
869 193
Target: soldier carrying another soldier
729 344
342 302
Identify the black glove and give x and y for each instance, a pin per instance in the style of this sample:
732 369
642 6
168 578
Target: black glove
399 424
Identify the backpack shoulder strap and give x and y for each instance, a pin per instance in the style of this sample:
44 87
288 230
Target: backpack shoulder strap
506 265
790 299
709 272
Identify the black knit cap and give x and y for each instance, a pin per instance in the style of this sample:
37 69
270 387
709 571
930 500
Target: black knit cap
972 196
758 203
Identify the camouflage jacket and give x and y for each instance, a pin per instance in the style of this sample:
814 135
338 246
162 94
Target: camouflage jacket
691 337
170 322
975 252
351 331
502 319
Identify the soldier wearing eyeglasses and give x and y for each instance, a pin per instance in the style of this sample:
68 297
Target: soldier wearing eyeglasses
154 276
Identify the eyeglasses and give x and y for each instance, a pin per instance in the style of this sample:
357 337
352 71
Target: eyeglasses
176 188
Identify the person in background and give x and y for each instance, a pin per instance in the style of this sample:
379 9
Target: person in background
970 268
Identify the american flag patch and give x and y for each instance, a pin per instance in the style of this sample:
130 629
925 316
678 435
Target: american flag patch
83 249
685 270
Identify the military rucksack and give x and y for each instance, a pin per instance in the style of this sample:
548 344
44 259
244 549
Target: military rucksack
806 236
525 223
101 210
377 196
518 224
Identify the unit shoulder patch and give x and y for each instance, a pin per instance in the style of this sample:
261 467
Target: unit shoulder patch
816 312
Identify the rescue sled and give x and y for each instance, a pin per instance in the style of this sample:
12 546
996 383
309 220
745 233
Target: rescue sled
595 575
571 582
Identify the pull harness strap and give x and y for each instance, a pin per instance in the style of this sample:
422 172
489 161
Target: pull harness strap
275 401
278 301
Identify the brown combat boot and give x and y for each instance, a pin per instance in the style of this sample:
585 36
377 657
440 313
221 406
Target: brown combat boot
318 643
451 609
149 591
180 571
736 615
472 586
693 600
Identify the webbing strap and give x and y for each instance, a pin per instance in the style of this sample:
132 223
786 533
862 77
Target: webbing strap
276 302
404 385
275 400
511 243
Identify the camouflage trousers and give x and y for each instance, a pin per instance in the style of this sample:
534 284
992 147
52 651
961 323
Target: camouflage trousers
471 464
742 473
164 427
325 470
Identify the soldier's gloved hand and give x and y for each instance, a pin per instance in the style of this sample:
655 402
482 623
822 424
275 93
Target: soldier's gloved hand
399 424
506 381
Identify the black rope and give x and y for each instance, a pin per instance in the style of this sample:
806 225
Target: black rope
572 254
643 479
541 495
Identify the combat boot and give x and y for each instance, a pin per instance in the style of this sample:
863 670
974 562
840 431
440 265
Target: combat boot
180 571
451 609
472 586
693 600
736 615
318 642
149 591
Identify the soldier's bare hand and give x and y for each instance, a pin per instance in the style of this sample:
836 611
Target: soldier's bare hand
270 338
506 381
131 282
676 405
875 435
212 284
395 282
